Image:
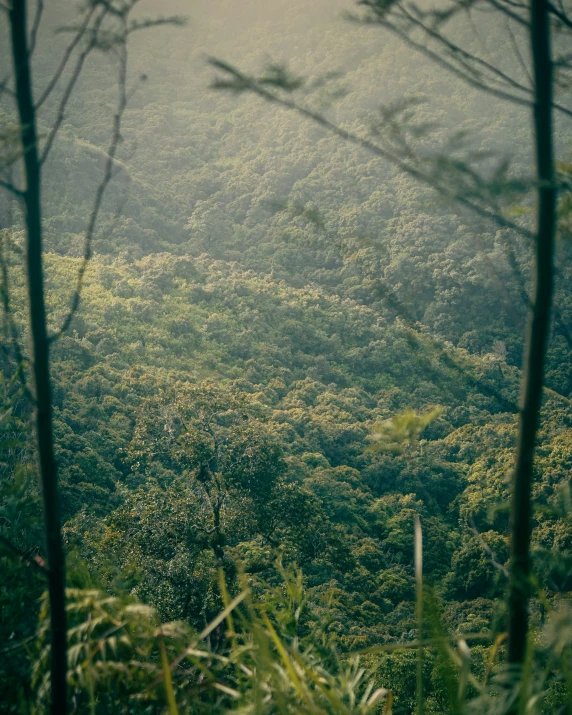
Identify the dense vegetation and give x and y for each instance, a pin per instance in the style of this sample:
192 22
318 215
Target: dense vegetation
269 316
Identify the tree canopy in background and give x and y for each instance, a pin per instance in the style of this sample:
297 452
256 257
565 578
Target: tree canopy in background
286 351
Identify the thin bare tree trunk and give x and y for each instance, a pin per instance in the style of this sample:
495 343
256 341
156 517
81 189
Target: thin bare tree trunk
39 349
521 512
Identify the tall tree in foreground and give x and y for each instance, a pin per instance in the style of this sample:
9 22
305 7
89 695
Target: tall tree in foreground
105 26
536 345
427 32
39 351
433 31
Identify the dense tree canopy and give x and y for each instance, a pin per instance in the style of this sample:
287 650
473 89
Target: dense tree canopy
286 350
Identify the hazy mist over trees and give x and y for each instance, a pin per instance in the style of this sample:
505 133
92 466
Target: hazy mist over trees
286 334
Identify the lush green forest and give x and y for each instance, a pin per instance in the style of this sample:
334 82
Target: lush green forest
287 353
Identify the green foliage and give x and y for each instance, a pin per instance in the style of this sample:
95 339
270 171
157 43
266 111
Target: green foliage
263 300
250 658
270 654
403 429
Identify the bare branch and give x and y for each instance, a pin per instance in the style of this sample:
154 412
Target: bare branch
494 559
35 27
67 54
457 52
4 89
517 5
9 186
517 51
503 5
401 20
465 72
21 644
469 78
244 83
28 558
561 15
11 325
69 89
120 13
108 175
147 23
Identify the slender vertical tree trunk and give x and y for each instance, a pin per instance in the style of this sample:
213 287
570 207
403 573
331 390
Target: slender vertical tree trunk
39 349
218 538
519 587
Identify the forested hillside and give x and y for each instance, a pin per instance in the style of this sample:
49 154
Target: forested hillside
286 350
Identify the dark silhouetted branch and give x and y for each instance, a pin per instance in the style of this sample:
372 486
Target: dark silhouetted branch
535 353
459 62
27 558
12 330
494 558
108 175
517 52
35 26
561 15
40 357
9 186
69 87
65 59
242 82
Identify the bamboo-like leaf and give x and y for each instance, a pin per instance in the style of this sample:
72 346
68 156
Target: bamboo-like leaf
229 691
293 674
167 680
377 695
492 656
419 609
328 693
212 625
387 710
221 616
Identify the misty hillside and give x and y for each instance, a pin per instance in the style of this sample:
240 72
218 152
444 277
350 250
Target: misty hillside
289 353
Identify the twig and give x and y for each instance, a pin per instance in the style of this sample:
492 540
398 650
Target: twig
247 83
35 27
67 54
9 186
21 644
515 16
13 330
456 51
69 88
517 51
470 77
108 174
34 559
494 559
4 87
561 15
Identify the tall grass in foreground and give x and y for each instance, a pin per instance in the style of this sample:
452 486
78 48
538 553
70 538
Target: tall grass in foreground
257 658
